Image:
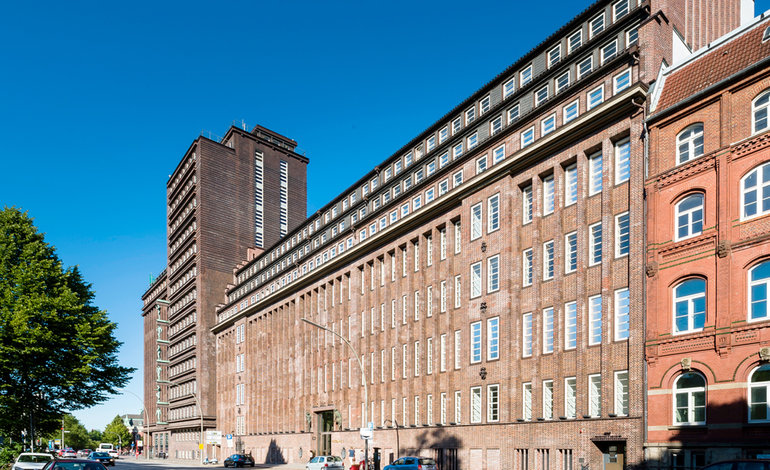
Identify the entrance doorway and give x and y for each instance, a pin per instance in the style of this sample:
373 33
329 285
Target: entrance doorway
614 456
325 428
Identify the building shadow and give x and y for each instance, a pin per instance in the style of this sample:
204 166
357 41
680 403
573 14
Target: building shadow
274 454
440 444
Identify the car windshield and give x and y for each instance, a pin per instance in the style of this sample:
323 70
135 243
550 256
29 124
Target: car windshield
427 462
100 455
34 458
78 466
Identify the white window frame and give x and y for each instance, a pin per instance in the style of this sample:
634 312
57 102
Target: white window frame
758 283
757 108
493 403
595 173
548 330
548 260
689 214
594 245
690 302
570 325
759 385
593 31
549 194
603 51
547 400
590 101
759 188
620 250
595 395
570 185
475 284
527 203
690 393
484 105
476 218
687 141
548 124
622 162
509 88
578 68
527 267
554 55
528 136
618 81
570 252
558 88
525 76
493 213
513 113
527 333
493 274
493 339
622 317
621 392
538 99
595 320
475 405
571 43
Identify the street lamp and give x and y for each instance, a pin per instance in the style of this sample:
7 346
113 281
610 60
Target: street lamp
144 420
200 412
398 445
363 376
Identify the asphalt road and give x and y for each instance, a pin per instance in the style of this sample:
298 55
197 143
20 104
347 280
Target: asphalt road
130 463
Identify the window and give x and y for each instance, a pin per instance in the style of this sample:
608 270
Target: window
493 339
584 67
755 192
595 173
570 325
570 255
526 201
493 213
458 291
619 9
526 333
689 216
547 399
548 330
476 221
548 125
549 198
493 403
417 355
431 143
689 143
416 305
443 134
458 237
570 397
484 105
493 274
443 187
496 125
622 314
571 111
621 81
623 161
554 55
475 404
622 234
475 342
473 140
442 353
525 76
595 97
570 180
429 250
595 395
595 320
689 306
458 340
457 124
458 407
596 26
541 95
457 179
475 280
526 401
759 281
548 255
759 115
574 40
526 267
632 36
508 88
457 150
690 399
498 154
759 386
442 301
513 113
562 82
442 243
528 136
470 115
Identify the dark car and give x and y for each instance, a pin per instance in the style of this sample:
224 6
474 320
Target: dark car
740 464
74 464
239 460
102 457
412 463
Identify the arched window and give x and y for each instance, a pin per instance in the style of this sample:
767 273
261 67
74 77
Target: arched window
759 386
759 285
689 143
690 399
755 192
689 306
759 113
689 216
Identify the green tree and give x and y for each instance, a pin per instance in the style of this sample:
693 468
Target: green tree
75 436
57 350
96 438
117 433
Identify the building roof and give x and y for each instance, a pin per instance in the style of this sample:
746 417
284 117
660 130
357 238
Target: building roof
734 53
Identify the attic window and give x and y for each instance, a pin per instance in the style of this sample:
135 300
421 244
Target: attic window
766 36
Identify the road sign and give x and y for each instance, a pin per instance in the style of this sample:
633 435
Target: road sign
366 433
214 437
230 442
200 446
371 426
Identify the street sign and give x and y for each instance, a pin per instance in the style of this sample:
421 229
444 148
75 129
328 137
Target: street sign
214 437
200 446
230 442
366 433
371 426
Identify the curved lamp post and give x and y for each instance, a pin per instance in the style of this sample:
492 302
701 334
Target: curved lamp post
144 417
201 441
398 445
363 376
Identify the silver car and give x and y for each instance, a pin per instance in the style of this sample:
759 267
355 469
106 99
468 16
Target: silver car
31 461
325 462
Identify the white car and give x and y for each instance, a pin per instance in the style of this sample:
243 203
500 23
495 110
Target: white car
31 461
325 462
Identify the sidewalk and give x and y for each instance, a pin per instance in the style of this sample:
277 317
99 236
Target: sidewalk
175 463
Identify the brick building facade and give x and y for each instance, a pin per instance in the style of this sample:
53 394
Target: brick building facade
223 200
489 275
708 246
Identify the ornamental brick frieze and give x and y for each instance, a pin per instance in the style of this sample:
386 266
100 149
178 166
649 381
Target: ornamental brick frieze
752 145
691 246
685 171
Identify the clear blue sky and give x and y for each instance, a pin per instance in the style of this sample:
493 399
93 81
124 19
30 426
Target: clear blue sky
100 100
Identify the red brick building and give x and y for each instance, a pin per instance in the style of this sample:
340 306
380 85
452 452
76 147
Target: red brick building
224 199
489 275
708 263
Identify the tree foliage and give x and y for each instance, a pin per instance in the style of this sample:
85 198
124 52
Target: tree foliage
76 435
117 433
57 350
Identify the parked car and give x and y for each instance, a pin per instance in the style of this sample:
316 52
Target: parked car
239 460
739 464
102 457
324 462
412 463
74 464
31 461
84 453
69 453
